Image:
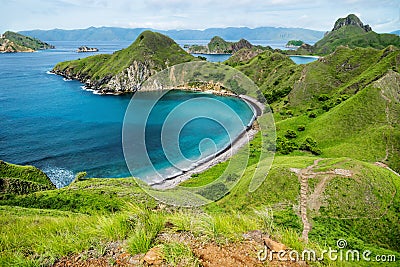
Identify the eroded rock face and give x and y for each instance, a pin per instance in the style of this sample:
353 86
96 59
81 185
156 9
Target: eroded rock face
351 20
131 79
242 43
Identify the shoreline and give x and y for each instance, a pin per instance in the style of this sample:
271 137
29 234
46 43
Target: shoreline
242 139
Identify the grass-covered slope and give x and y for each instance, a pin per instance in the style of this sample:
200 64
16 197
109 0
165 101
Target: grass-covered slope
364 127
353 36
18 180
351 32
126 69
324 83
15 42
273 72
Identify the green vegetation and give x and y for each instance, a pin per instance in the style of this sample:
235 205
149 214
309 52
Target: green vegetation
19 180
294 43
15 42
337 122
217 45
352 37
272 72
151 52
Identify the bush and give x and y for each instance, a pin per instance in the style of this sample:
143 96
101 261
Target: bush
285 146
323 97
312 115
80 176
310 145
301 128
290 134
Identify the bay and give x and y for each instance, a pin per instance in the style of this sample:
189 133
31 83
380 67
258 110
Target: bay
57 126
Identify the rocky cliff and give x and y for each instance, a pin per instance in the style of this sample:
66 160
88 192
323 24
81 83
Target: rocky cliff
351 20
126 70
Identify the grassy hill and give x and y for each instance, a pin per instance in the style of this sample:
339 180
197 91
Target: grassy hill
125 70
351 32
333 176
15 42
19 180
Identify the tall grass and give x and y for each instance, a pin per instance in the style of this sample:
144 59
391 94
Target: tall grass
147 226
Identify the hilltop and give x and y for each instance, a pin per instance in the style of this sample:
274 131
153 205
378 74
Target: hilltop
350 32
125 70
11 42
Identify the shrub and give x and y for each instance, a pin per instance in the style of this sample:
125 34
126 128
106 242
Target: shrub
310 145
312 115
323 97
290 134
285 146
80 176
301 128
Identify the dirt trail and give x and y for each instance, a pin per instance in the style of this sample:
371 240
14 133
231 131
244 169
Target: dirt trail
313 200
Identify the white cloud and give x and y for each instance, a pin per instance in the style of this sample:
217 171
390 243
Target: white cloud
184 14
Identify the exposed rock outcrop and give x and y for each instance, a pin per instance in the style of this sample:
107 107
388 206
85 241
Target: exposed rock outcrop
83 49
350 20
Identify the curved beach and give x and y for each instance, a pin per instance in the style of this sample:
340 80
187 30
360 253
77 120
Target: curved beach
223 155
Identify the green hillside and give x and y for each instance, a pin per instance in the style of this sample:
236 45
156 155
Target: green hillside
15 42
19 180
126 69
334 175
273 72
351 32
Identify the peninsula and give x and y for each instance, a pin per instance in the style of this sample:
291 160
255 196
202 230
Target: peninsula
11 42
125 70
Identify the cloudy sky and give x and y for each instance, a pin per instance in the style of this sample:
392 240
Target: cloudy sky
18 15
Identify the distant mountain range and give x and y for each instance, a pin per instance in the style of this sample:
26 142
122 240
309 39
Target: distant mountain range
125 34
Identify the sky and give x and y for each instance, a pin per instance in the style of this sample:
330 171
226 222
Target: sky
17 15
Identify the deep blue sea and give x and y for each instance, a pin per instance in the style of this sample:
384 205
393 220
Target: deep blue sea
57 126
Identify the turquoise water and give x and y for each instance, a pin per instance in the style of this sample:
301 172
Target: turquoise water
57 126
303 59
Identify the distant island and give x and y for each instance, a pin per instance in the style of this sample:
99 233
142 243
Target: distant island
84 49
217 45
11 42
294 44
